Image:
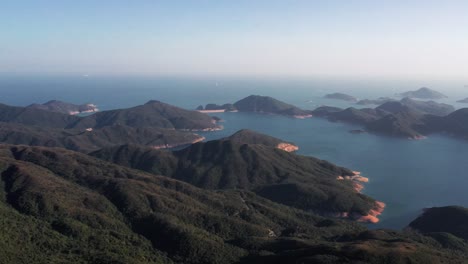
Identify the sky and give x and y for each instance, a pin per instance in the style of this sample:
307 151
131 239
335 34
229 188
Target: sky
362 38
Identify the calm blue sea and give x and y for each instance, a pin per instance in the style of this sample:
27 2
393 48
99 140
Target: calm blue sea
406 175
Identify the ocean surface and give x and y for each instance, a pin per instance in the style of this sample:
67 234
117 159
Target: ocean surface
407 175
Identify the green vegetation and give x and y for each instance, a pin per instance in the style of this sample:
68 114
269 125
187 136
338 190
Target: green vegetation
61 206
87 141
448 219
242 161
234 200
154 124
247 136
151 114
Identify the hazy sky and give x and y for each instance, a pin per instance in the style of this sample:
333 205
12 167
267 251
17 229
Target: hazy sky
235 37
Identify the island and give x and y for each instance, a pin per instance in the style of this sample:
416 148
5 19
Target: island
341 96
407 118
65 108
258 104
423 93
214 108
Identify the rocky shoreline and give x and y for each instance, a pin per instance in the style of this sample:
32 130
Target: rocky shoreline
373 214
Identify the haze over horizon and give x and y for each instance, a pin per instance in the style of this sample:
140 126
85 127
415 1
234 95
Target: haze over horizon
407 39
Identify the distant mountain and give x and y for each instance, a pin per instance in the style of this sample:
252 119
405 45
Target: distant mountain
406 118
464 101
65 108
449 219
405 124
423 107
428 107
423 93
235 163
269 105
351 115
35 117
341 96
454 124
259 104
151 114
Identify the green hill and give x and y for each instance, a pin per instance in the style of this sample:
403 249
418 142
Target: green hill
87 141
268 105
151 114
35 117
302 182
154 124
90 210
247 136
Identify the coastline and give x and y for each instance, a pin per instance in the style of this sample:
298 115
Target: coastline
358 185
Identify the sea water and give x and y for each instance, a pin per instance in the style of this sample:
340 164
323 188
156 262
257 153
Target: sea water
407 175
